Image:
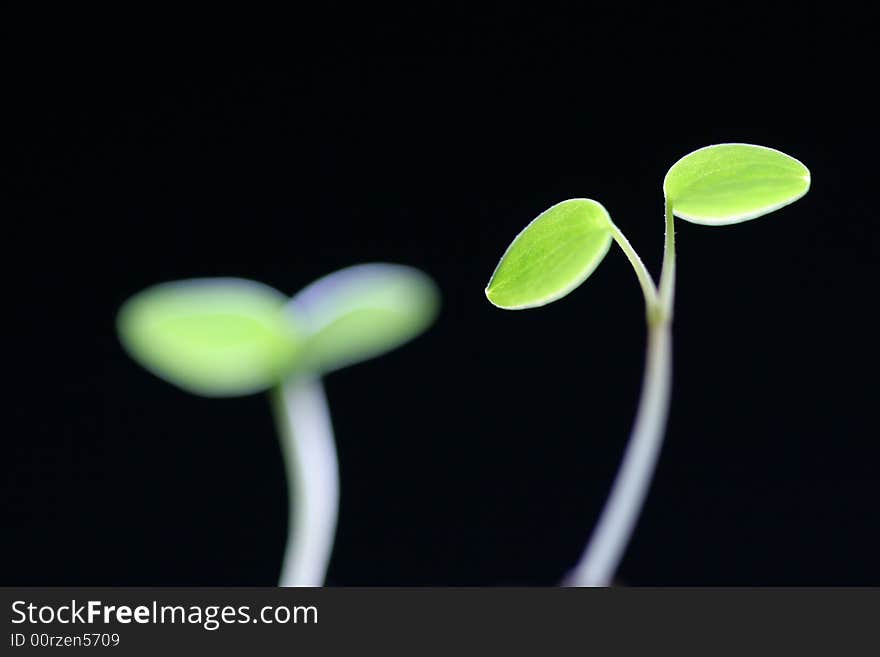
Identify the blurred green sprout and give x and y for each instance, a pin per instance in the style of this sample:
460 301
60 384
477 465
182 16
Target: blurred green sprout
716 185
225 337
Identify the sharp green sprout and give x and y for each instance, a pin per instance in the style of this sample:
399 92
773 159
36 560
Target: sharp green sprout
716 185
222 337
552 255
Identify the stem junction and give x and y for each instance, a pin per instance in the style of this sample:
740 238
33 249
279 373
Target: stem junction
617 521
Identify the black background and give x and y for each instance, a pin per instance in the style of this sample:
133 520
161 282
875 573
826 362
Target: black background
147 148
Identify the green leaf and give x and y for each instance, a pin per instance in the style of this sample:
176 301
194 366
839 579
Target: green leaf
730 183
363 311
214 337
552 255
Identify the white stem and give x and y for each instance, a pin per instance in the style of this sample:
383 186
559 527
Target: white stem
312 473
608 543
614 529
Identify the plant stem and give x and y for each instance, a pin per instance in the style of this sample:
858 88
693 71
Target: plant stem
614 529
312 472
608 543
642 274
667 273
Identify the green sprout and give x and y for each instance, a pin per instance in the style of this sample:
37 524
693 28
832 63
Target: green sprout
555 253
225 337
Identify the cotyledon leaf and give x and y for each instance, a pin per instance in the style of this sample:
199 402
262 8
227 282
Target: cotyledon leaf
554 254
730 183
214 337
363 311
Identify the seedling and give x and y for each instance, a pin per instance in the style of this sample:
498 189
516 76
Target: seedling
555 253
225 337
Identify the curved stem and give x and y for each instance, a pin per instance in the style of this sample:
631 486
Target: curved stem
642 274
608 543
614 529
312 471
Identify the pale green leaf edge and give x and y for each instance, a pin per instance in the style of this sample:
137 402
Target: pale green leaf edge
591 267
727 221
